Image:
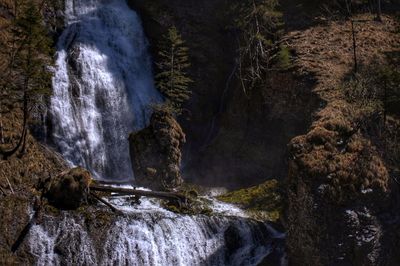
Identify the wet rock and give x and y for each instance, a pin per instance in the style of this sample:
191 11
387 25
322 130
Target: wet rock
156 152
69 189
233 240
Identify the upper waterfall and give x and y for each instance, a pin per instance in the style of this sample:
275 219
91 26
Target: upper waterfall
103 86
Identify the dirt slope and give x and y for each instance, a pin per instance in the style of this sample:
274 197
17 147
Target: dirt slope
339 186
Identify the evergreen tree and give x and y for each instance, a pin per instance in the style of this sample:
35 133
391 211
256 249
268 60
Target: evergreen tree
172 78
260 26
27 77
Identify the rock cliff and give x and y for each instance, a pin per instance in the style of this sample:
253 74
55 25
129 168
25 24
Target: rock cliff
340 186
234 138
156 152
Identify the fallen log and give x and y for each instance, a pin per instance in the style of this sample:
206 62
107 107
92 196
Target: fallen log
104 202
141 193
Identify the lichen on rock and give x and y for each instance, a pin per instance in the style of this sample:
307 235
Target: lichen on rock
69 189
156 152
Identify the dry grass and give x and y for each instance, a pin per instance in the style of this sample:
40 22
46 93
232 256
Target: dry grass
327 51
335 164
334 152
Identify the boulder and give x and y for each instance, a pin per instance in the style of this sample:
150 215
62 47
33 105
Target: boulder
156 152
69 189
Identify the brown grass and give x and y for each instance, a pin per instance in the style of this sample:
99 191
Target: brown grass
334 151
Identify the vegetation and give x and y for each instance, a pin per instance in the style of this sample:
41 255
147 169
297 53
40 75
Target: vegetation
195 205
348 7
26 77
375 90
172 78
260 26
262 202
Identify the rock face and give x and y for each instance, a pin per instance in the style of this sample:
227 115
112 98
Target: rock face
156 152
69 189
234 138
342 203
337 188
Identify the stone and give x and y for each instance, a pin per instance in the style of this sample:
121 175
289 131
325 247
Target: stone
68 190
156 152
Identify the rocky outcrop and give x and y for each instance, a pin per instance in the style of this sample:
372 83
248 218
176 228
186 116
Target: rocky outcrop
341 204
69 189
337 187
156 152
234 138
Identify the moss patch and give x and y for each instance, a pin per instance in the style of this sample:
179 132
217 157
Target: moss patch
194 206
262 202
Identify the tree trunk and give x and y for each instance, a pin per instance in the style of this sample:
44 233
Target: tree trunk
104 202
141 193
22 140
1 128
384 104
348 8
378 8
354 47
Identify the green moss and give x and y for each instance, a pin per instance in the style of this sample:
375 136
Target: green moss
284 60
51 210
193 207
262 202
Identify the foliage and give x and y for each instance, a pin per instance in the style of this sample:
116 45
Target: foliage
260 26
375 89
263 201
374 95
26 52
347 7
284 57
172 78
195 206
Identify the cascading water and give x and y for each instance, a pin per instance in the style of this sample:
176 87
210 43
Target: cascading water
103 86
149 235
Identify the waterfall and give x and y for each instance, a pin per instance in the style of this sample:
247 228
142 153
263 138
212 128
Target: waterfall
150 236
102 85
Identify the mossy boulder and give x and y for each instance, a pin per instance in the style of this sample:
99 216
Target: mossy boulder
69 189
156 152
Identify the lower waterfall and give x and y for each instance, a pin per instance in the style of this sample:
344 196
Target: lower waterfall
149 235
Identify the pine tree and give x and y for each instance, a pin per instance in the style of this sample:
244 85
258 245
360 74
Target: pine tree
260 26
27 77
172 78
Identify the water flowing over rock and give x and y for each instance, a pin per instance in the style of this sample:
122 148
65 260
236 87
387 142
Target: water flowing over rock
103 85
150 235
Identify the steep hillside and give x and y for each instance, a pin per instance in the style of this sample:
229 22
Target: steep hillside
20 174
340 183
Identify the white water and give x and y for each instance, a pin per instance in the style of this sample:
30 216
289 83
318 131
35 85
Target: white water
103 86
149 235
